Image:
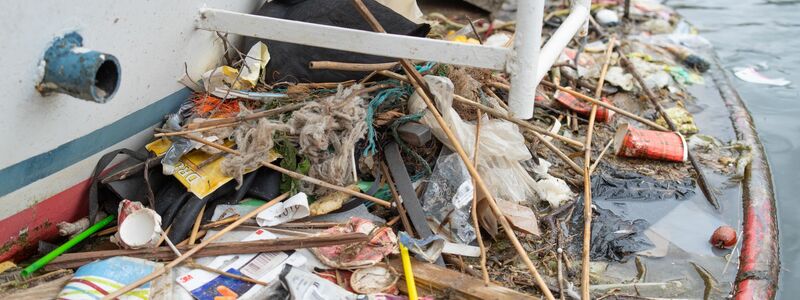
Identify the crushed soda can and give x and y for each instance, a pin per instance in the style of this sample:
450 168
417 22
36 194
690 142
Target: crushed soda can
642 143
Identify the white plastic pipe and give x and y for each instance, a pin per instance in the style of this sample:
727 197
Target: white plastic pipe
525 58
572 25
530 64
359 41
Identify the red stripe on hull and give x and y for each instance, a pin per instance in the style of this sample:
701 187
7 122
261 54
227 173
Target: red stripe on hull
26 228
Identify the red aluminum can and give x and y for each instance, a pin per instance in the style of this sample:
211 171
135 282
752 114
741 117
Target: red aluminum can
642 143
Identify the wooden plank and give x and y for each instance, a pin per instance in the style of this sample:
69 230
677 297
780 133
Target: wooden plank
359 41
435 280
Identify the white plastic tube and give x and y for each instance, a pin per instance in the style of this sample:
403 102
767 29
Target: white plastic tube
572 25
530 63
525 58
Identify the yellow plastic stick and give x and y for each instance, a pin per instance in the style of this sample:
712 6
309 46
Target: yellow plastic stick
412 288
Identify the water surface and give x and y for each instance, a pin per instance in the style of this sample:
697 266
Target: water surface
766 34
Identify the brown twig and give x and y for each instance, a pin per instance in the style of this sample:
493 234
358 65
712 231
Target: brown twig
401 209
393 75
343 66
500 115
393 221
221 222
238 119
420 86
484 270
77 259
526 125
184 132
587 185
194 265
623 112
600 157
296 175
196 227
324 184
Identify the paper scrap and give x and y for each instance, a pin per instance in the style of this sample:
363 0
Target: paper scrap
521 217
293 208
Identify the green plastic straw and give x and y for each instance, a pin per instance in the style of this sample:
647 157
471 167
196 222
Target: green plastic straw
66 246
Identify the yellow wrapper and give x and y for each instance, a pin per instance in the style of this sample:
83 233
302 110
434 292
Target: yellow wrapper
200 181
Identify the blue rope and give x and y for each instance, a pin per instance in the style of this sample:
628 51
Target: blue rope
426 67
380 98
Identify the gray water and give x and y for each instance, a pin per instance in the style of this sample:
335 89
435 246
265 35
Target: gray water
766 34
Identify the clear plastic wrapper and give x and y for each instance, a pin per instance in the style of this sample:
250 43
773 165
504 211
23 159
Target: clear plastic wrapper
448 198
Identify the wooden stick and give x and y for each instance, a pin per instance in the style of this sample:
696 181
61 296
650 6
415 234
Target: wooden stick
401 209
184 132
107 231
421 88
500 115
499 85
326 85
343 66
188 254
163 236
600 157
321 183
308 225
196 227
623 112
296 175
218 223
701 177
194 265
73 260
200 234
526 125
393 221
393 75
484 271
587 184
213 145
253 116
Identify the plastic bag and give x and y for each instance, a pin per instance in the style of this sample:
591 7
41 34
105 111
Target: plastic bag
448 198
502 146
613 238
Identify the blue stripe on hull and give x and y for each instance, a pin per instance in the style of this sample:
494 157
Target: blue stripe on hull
40 166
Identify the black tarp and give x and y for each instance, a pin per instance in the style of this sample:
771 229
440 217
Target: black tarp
289 62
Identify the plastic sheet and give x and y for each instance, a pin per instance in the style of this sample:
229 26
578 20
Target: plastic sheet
614 238
615 185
